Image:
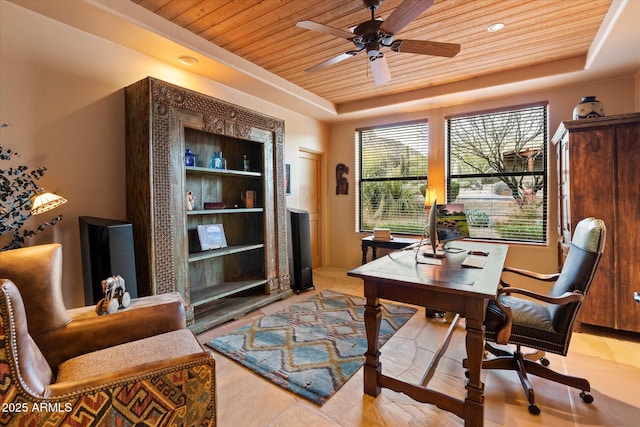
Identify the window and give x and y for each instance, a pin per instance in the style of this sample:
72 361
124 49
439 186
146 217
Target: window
392 177
497 167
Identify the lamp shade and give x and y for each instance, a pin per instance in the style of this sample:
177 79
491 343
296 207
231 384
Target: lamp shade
430 196
43 202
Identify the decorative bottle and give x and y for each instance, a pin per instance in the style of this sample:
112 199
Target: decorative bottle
245 163
589 108
189 158
217 162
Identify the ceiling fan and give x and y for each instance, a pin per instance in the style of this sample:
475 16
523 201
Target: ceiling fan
373 35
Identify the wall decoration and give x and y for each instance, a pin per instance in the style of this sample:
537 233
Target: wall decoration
342 184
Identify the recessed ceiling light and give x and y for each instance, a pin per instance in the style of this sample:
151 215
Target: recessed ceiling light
187 60
495 27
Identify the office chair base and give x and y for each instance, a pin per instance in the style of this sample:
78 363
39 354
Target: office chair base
519 362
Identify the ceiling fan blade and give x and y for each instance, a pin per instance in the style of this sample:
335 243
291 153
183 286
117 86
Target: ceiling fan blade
425 47
314 26
403 14
380 69
329 62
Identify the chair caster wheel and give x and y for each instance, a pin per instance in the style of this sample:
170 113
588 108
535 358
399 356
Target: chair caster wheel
586 397
545 361
533 409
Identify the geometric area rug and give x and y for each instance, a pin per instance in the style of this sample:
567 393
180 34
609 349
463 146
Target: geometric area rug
310 348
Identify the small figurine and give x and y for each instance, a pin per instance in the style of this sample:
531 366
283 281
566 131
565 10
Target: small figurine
115 296
191 201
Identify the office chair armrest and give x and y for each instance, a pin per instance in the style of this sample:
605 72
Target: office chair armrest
552 277
530 274
503 332
565 298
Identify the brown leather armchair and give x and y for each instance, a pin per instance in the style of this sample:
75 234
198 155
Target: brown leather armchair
73 367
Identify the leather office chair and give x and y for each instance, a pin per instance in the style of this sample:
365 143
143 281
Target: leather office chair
546 327
64 367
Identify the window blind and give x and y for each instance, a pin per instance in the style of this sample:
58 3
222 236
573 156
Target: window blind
497 167
392 164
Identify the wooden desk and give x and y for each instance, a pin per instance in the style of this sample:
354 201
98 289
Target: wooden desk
395 243
447 287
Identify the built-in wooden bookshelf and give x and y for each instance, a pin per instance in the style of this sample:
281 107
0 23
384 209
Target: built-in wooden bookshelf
217 284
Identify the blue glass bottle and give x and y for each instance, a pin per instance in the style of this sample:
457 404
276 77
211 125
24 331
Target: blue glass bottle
189 158
217 161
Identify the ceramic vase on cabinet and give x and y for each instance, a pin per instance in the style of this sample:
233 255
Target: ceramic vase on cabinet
588 108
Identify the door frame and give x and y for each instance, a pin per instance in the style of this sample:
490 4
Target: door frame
322 191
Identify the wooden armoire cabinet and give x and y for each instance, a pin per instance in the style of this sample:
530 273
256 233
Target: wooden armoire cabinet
244 197
599 176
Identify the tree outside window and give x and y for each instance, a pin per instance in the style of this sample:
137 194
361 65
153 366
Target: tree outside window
497 167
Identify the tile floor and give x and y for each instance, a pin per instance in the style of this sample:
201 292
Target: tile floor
610 362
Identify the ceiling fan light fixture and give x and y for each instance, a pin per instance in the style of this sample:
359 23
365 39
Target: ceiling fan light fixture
380 69
359 42
373 49
494 28
385 39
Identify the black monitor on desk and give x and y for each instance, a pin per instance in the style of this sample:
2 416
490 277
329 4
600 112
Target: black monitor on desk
447 222
451 222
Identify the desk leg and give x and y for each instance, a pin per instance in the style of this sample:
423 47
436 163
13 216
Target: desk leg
365 249
474 403
372 318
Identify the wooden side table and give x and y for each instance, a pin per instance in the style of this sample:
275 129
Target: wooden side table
394 243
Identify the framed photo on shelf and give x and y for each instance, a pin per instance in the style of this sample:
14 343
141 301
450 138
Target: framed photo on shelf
211 236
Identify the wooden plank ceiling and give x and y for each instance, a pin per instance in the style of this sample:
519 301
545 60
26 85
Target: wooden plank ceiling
265 33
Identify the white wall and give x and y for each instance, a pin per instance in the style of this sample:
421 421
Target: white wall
616 94
62 90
